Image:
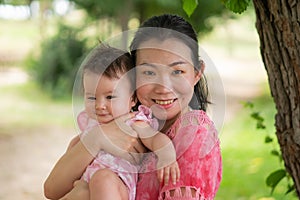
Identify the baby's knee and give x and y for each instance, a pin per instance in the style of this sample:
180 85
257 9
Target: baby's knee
104 177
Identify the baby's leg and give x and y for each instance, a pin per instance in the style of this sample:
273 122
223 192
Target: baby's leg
105 184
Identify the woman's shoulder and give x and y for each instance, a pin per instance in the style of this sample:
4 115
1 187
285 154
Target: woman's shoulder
194 118
194 130
199 116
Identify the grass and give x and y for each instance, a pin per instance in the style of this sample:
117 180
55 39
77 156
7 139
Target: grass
247 160
26 107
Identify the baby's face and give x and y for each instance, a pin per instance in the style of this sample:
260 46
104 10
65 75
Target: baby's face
105 98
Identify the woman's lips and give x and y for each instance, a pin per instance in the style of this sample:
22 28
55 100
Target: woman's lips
164 102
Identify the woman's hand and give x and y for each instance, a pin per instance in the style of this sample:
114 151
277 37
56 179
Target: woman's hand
170 171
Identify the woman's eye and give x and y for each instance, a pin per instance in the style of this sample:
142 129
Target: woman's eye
91 98
149 73
177 72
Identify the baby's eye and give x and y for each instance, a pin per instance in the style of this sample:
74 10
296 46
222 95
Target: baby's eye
91 98
177 72
110 97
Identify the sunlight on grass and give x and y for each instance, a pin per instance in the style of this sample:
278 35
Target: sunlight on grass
246 158
25 106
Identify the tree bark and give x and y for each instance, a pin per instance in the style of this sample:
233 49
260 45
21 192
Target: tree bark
278 26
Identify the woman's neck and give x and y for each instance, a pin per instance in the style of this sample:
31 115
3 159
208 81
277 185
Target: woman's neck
166 125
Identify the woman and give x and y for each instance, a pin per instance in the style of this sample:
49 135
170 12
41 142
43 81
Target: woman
170 81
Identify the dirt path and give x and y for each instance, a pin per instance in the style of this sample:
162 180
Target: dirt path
27 156
26 160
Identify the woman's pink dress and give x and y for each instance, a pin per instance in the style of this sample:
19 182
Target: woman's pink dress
198 155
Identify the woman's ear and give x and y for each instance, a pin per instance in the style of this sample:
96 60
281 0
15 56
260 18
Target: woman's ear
199 73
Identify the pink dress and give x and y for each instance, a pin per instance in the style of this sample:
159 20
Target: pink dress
123 168
198 155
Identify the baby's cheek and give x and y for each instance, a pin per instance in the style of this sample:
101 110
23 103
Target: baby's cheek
90 109
119 109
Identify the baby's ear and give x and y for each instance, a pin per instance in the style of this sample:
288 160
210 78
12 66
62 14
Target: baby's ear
133 100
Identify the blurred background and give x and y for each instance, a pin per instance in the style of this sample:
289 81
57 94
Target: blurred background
44 42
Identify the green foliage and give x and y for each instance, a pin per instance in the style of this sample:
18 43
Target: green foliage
198 13
236 6
99 8
275 177
56 67
189 6
15 2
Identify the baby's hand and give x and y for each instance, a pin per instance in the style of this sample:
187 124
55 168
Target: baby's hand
168 171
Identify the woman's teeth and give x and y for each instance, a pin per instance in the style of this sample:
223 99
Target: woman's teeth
160 102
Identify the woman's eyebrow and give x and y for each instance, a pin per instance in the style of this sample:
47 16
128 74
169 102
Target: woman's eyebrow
176 63
170 65
147 64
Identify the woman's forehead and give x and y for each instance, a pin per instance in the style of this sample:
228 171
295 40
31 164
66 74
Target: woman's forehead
167 51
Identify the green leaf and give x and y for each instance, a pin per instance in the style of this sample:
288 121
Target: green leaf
236 6
290 189
274 178
248 104
275 153
260 125
189 6
256 115
259 120
268 139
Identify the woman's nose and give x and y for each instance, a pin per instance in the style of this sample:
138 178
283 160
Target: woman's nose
163 84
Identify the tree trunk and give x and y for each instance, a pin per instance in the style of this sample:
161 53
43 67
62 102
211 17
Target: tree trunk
124 17
278 26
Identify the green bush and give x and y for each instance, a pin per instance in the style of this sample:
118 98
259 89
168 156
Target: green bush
56 66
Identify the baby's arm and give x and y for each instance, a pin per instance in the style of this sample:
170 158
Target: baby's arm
163 147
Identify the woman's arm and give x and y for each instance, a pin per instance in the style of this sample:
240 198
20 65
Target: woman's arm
73 142
70 167
67 170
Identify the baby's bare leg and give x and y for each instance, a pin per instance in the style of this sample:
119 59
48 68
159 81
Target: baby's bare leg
105 184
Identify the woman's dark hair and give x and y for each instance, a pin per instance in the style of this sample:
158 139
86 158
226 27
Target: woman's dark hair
168 26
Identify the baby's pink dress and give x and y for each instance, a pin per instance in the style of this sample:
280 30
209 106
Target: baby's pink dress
123 168
198 155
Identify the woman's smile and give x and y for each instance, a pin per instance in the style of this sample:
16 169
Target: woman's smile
165 79
164 102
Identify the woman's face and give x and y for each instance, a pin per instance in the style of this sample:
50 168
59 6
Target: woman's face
165 77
